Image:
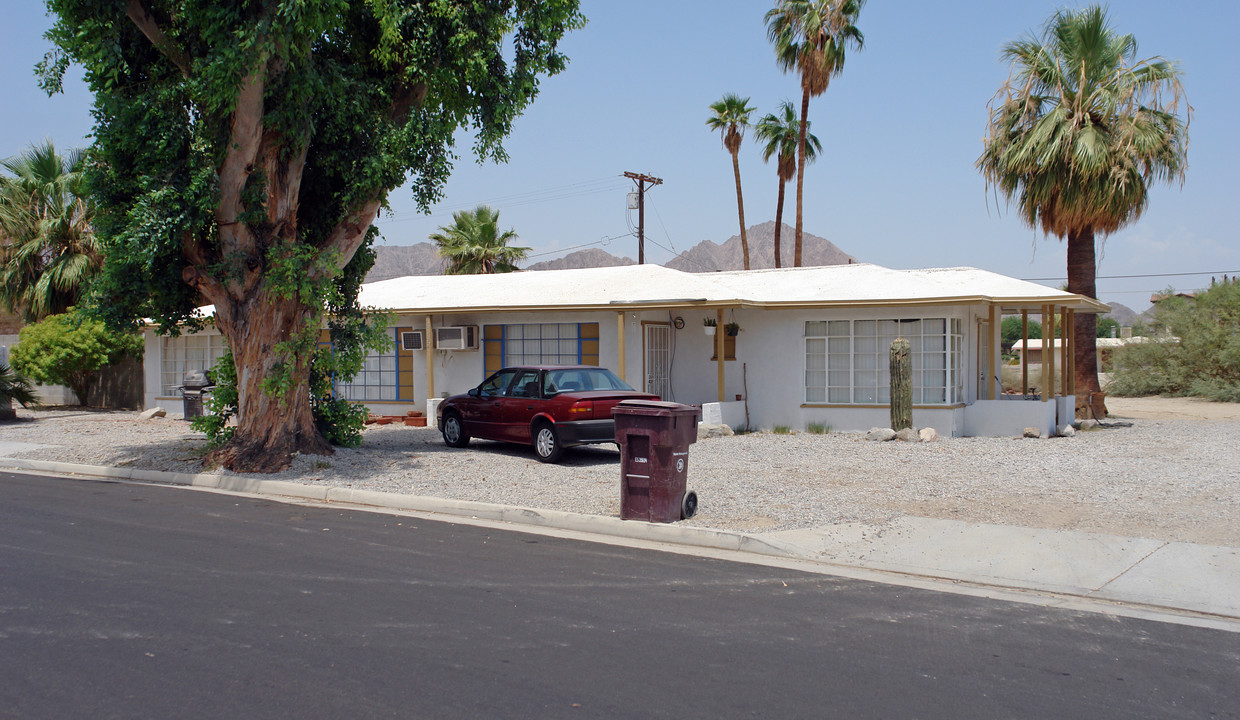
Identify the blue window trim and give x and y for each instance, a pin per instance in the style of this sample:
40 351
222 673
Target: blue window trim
503 343
395 356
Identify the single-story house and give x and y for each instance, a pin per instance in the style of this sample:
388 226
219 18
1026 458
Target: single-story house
811 344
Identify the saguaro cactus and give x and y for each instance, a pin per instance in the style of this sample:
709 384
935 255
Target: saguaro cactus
901 385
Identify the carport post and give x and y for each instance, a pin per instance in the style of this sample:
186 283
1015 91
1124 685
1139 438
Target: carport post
428 347
620 344
719 333
1024 354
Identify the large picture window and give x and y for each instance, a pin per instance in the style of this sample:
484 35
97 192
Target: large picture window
540 344
375 381
179 355
847 361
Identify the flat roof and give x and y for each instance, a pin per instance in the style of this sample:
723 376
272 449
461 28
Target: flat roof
655 286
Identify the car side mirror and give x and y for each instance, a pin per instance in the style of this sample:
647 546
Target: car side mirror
475 392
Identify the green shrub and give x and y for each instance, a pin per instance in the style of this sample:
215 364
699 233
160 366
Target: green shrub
817 428
69 350
781 430
1203 362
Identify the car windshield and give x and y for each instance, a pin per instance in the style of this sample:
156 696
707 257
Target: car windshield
575 379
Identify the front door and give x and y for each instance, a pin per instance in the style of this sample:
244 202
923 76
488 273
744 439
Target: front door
657 346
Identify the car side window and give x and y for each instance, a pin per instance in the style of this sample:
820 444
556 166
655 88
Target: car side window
526 385
497 384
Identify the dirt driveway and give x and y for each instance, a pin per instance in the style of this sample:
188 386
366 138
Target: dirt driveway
1165 408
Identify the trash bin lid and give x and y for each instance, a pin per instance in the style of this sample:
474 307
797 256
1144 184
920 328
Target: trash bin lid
652 407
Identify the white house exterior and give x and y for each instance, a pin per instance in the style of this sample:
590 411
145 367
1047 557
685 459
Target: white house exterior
812 346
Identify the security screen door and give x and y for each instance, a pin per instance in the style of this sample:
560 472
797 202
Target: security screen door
658 354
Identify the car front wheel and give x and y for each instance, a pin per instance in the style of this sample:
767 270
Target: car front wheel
454 434
547 443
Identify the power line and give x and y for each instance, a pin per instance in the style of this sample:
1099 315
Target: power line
1124 277
531 197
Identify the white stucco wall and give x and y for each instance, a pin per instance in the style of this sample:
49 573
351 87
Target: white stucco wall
768 372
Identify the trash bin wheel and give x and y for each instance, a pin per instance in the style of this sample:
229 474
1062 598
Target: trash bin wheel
547 442
454 434
688 505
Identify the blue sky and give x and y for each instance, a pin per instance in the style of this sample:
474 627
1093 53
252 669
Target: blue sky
902 128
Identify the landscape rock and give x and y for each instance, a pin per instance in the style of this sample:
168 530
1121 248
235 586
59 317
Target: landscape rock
153 413
705 430
908 435
1067 431
928 434
1089 424
1032 432
881 434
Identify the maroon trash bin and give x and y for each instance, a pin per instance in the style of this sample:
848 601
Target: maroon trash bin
654 439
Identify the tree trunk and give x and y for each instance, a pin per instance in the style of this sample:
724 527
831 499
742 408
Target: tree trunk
796 255
1082 269
779 221
270 429
740 207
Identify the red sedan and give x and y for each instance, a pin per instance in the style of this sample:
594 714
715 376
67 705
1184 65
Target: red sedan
551 407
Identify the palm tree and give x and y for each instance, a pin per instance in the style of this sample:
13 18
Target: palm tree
474 245
731 117
781 134
1076 136
48 253
14 387
811 38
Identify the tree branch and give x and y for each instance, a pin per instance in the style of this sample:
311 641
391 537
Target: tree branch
244 143
142 18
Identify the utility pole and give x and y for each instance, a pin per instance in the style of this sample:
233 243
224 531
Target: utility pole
641 181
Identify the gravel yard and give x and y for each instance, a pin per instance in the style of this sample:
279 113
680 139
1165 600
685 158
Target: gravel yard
1168 479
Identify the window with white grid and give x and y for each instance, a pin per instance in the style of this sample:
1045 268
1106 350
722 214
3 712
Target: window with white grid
542 344
848 361
179 355
375 381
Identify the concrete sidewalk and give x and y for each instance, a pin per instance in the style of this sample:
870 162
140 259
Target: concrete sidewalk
1154 574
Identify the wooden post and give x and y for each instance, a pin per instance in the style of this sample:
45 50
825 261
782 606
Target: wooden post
995 389
1066 331
719 333
620 345
1070 359
428 346
1045 351
1048 361
1024 353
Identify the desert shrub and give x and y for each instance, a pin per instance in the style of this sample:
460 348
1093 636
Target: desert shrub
817 428
781 430
1195 349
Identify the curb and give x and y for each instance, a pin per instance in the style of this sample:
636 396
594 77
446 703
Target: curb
516 515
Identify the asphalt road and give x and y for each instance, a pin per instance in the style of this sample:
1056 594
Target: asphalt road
130 601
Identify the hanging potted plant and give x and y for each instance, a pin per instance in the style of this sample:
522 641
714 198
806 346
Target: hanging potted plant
731 329
709 324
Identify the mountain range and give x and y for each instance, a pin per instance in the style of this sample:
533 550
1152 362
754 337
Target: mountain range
394 261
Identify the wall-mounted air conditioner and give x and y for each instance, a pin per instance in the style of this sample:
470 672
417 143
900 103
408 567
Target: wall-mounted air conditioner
412 340
457 337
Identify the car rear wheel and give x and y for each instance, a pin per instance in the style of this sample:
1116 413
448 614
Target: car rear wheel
454 434
547 443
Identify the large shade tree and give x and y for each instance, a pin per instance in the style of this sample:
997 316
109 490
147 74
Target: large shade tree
1076 137
811 38
780 134
243 149
473 244
730 117
48 251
